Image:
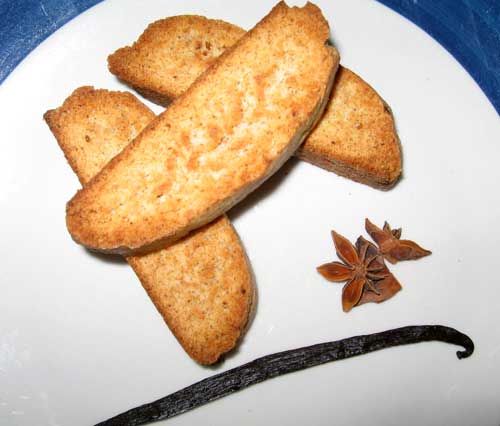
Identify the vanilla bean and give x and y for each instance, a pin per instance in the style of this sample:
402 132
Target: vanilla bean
274 365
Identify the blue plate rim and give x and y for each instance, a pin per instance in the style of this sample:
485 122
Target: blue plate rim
468 29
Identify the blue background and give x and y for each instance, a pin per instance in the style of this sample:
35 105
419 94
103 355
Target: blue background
468 29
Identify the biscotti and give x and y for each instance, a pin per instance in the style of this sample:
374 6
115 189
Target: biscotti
171 54
202 286
356 137
231 130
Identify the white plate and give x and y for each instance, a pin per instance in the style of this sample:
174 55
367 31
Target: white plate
79 339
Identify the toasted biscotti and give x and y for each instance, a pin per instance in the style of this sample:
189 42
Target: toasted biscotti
202 286
171 54
231 130
93 126
355 138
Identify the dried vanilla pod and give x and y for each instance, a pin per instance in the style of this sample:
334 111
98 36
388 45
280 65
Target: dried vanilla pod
280 363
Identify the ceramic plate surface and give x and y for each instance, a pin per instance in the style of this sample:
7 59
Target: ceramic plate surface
79 339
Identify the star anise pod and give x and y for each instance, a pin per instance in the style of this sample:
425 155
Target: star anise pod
387 286
360 268
391 246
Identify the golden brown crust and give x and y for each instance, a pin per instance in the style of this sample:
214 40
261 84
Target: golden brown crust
192 45
211 147
206 293
89 127
356 137
203 285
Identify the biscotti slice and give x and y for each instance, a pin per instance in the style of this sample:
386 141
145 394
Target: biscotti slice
231 130
93 126
202 286
356 137
171 54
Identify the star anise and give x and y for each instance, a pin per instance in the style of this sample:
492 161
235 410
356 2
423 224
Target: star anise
391 246
361 268
387 286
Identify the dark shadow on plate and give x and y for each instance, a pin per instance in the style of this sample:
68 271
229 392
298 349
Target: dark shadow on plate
108 258
263 191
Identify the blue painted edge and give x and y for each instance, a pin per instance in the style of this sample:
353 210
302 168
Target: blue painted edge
24 24
468 29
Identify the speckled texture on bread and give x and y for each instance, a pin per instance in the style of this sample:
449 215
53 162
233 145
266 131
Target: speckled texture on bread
162 67
231 130
356 137
93 126
202 286
205 293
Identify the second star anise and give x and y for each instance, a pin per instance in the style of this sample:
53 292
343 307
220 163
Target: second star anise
361 268
392 247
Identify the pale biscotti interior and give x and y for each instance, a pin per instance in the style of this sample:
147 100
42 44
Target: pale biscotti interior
202 286
232 129
356 137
